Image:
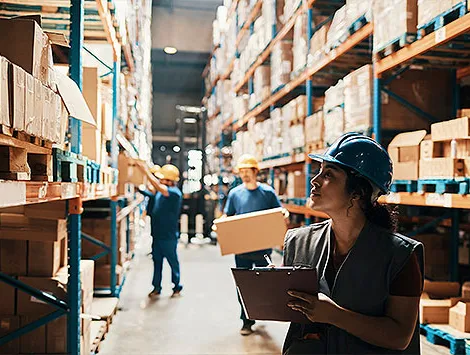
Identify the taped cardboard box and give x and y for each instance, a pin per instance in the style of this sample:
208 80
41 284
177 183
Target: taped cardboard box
8 304
14 257
4 94
251 231
9 324
19 227
444 168
44 258
459 317
20 83
452 129
404 151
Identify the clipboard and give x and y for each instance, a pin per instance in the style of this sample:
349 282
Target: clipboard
263 291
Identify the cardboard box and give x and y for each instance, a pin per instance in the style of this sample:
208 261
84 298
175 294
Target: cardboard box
29 305
404 150
441 168
4 94
251 231
9 324
8 304
44 258
441 289
14 257
30 104
34 127
452 129
56 338
91 142
48 117
19 86
434 311
466 290
430 149
51 210
92 93
19 227
107 121
459 317
314 127
33 342
296 184
25 44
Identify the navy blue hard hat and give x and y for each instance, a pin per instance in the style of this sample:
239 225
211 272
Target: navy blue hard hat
363 155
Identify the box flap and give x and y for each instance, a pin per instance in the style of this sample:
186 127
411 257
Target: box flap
58 39
249 215
408 139
73 99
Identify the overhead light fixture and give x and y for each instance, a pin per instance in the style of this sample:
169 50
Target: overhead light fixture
190 120
170 50
176 149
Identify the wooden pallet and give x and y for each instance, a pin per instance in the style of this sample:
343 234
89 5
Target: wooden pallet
443 19
68 166
441 186
21 159
443 334
105 308
97 335
404 186
395 45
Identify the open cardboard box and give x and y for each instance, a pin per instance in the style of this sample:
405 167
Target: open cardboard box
404 150
436 301
251 231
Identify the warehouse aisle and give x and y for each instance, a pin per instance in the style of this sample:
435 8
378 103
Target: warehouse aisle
203 321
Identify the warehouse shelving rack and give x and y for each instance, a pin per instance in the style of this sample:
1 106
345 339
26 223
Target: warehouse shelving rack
82 19
439 49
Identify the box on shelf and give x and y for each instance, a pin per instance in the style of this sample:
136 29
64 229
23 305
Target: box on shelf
436 300
459 317
21 84
338 29
8 324
29 305
14 257
92 93
358 101
333 124
107 121
318 44
91 142
44 258
4 94
56 336
102 277
430 9
261 84
357 8
314 128
452 129
392 20
8 304
404 151
296 184
441 168
300 44
18 227
281 64
35 341
251 231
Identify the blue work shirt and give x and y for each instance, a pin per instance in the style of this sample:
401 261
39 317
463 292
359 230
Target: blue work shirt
164 213
241 200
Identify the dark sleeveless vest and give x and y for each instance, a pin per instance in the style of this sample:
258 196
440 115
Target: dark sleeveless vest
362 283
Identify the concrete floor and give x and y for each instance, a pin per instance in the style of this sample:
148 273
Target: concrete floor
204 320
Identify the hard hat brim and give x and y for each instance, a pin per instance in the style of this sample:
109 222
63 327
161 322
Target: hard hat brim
329 159
247 166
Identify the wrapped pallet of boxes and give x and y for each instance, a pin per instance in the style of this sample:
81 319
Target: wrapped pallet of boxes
261 85
21 95
404 151
333 124
290 6
271 13
4 94
393 20
314 132
300 44
355 9
358 89
430 9
338 30
296 184
281 64
317 45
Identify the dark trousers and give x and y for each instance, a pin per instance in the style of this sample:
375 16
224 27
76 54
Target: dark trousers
165 249
248 263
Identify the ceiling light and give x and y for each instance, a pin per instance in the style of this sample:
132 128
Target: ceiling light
190 120
176 149
170 50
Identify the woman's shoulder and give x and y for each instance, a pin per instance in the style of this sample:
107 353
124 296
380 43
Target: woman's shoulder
306 231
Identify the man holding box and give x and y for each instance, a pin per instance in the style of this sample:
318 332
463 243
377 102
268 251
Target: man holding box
164 209
251 196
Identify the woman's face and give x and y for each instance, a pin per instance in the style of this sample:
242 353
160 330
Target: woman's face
328 190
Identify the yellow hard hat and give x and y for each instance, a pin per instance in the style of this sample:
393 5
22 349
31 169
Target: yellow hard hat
155 169
247 161
168 172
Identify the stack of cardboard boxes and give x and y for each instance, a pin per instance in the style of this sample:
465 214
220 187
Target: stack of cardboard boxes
300 44
281 64
296 184
33 249
334 113
429 9
261 85
28 81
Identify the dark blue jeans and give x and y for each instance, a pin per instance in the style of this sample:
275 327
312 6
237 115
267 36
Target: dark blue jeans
165 249
248 263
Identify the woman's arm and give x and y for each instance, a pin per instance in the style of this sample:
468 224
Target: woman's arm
394 330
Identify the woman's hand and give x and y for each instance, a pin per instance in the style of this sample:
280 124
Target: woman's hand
316 308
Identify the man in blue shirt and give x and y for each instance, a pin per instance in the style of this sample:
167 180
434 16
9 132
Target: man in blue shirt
251 196
164 209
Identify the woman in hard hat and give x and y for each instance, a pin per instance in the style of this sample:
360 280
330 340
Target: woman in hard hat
164 209
249 197
370 278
